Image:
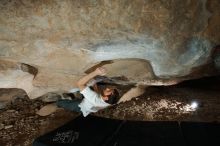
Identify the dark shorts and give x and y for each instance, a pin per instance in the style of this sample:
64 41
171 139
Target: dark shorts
72 105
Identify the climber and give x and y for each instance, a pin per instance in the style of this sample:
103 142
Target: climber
95 97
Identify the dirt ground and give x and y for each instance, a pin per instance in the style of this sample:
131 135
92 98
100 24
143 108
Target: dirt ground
20 125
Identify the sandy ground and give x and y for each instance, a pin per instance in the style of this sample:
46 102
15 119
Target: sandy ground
20 125
169 103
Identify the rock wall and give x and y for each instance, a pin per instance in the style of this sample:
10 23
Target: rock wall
62 39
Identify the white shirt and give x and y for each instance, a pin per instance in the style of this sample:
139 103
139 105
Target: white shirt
92 102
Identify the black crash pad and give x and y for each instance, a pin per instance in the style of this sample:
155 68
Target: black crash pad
139 133
201 134
89 131
96 131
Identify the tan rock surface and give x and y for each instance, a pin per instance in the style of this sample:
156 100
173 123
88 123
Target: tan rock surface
47 110
60 40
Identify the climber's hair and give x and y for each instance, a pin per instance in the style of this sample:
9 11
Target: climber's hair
114 97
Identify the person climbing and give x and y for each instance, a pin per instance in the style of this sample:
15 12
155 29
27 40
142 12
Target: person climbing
95 97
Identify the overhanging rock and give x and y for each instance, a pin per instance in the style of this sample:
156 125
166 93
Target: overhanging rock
140 40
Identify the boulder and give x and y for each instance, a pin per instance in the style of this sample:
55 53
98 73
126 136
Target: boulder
46 46
8 96
47 110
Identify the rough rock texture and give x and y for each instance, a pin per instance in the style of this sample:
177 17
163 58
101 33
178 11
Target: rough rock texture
137 40
19 125
47 110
